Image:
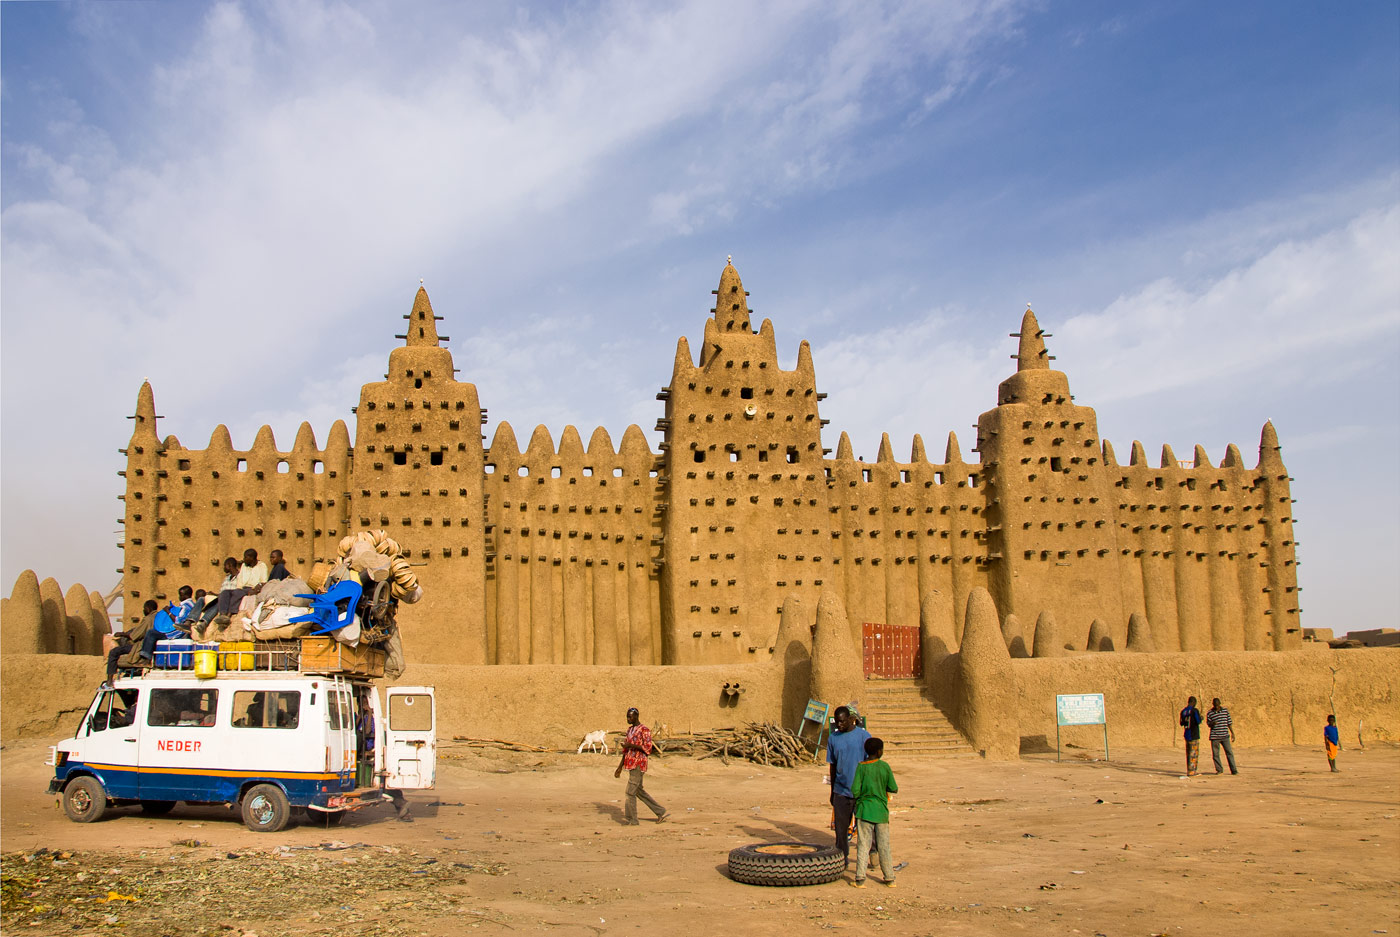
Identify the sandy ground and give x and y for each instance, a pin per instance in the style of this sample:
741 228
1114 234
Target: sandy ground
514 843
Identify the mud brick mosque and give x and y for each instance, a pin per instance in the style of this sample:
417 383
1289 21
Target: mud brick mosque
612 553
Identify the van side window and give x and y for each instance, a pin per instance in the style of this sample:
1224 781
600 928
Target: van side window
266 709
410 713
338 712
116 710
182 707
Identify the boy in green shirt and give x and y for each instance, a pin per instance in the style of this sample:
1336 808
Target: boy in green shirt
873 784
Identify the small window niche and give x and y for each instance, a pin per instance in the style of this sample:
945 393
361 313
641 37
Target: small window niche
184 465
588 471
733 455
490 468
1056 464
746 393
242 465
904 475
699 455
972 481
792 455
617 472
555 471
763 455
865 475
523 472
400 458
435 458
318 467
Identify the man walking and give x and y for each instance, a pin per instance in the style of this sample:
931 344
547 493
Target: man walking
1190 720
845 750
635 748
1222 733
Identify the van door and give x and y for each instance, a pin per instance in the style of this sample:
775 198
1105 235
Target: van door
410 738
181 742
108 740
340 733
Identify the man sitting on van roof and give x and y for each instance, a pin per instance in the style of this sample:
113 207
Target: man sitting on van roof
126 641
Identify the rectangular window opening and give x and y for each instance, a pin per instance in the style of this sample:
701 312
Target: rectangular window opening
266 709
792 455
555 471
182 707
490 468
282 467
588 471
699 455
435 458
746 393
400 458
733 455
1056 464
318 467
242 465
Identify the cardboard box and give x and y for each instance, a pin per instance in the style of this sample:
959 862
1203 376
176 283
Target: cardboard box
327 655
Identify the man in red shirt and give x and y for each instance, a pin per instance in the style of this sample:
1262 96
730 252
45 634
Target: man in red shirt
635 748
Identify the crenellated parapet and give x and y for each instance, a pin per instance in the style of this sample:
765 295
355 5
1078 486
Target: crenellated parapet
605 553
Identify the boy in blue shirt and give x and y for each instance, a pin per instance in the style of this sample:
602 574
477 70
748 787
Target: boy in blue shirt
1332 739
845 750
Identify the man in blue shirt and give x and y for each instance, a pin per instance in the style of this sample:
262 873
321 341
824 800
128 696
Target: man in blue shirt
845 749
1190 720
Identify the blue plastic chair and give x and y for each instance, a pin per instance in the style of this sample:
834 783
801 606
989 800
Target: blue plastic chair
323 607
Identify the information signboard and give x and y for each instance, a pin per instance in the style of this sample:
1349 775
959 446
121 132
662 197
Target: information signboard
1080 709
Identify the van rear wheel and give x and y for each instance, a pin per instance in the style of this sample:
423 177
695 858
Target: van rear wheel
84 800
265 808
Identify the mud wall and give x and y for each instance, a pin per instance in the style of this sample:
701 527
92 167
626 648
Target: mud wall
1274 699
44 695
556 706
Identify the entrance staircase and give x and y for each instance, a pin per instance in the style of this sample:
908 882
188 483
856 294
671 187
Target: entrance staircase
910 725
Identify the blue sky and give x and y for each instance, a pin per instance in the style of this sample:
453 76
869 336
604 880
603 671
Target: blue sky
1201 201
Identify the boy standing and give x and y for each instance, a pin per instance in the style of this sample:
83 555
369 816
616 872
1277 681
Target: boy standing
1190 720
873 784
1333 740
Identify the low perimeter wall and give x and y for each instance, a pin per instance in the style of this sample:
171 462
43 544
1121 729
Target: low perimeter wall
44 695
1279 698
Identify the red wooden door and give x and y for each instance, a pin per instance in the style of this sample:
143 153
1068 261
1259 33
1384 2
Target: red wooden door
891 651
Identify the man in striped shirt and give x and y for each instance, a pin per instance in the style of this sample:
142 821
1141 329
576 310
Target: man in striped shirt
1222 733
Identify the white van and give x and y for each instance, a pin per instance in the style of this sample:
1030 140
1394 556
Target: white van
266 741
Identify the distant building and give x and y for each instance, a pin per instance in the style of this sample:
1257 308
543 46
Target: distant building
615 554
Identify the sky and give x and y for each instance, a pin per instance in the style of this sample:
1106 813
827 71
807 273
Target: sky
237 201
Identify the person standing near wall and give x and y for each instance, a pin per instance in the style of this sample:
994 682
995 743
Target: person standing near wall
1190 720
845 750
1333 740
1222 734
636 745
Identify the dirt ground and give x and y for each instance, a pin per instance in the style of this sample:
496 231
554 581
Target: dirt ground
517 843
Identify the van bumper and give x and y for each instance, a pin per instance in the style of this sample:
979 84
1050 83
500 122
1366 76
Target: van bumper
56 784
350 800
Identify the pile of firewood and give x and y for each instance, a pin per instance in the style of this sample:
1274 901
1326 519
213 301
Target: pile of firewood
762 743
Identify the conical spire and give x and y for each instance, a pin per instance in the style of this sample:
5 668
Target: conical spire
1202 460
1031 355
953 454
843 448
1109 457
918 454
145 417
1138 455
886 453
731 302
422 324
1168 456
1269 450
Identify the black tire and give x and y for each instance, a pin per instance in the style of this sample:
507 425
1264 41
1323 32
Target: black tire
157 808
265 808
84 800
786 864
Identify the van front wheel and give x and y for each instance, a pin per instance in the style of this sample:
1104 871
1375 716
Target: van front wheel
84 800
265 808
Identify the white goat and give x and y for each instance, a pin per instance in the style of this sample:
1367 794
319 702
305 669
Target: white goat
592 740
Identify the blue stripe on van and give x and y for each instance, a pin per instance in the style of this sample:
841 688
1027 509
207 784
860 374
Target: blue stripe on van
214 786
